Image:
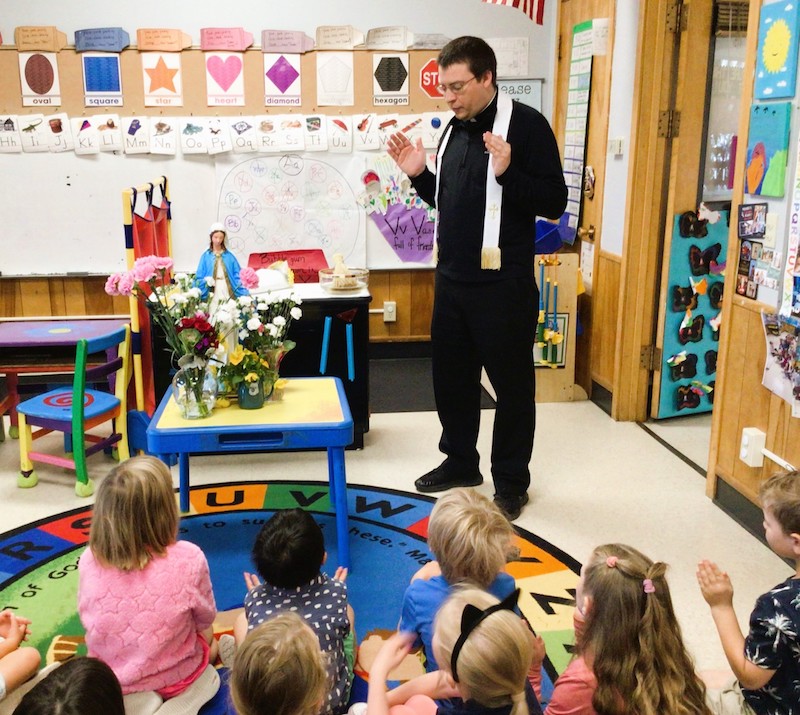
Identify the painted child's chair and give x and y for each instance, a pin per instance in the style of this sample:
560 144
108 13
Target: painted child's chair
78 409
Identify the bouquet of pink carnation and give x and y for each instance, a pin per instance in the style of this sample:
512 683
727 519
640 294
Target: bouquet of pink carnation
177 308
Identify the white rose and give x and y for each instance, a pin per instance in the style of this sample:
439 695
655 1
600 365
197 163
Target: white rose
273 331
296 313
243 334
180 277
179 299
261 306
279 320
254 323
209 281
245 300
194 292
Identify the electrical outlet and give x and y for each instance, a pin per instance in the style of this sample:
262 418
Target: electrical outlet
753 441
389 311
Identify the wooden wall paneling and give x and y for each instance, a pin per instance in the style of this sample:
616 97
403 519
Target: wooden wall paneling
380 290
9 297
723 448
605 300
401 294
422 284
58 299
642 255
36 297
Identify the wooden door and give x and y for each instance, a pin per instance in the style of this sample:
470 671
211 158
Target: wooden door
685 176
594 354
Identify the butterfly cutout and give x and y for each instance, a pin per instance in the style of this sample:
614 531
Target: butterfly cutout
693 332
700 261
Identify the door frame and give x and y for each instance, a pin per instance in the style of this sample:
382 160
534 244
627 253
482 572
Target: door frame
663 176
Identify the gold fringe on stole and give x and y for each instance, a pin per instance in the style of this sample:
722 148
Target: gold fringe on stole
490 258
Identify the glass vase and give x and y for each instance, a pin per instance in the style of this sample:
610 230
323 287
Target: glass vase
251 395
194 390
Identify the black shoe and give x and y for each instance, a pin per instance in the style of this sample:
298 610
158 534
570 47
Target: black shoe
442 478
511 504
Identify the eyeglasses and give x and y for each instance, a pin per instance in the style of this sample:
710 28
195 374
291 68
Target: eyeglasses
454 87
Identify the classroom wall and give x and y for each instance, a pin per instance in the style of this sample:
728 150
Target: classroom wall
81 192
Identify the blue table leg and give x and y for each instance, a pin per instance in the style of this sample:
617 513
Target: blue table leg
183 467
338 489
331 481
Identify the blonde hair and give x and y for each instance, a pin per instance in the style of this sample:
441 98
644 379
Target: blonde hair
632 639
470 537
279 669
781 495
494 660
135 516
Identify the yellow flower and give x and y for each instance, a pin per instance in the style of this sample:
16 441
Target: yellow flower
237 355
251 377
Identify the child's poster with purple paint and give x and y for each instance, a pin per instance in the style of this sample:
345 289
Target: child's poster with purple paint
403 219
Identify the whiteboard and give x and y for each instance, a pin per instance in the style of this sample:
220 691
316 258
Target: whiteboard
66 216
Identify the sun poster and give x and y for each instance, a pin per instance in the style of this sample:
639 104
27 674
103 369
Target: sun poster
776 60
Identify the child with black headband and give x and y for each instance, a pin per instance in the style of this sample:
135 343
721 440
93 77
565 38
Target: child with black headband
483 649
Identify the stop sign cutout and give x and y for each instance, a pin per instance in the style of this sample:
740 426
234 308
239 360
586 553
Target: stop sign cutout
429 78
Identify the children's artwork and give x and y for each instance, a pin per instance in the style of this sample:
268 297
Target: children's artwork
224 79
767 149
782 365
102 79
390 79
693 315
282 86
752 220
340 134
335 79
289 202
404 220
163 85
793 243
776 60
38 75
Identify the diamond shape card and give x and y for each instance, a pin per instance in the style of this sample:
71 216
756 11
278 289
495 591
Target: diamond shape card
335 79
390 79
282 85
224 79
38 74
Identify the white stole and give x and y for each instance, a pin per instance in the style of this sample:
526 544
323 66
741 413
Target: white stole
490 250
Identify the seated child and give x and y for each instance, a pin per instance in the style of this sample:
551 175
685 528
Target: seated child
80 686
629 653
18 662
472 541
279 669
484 649
288 554
144 598
766 662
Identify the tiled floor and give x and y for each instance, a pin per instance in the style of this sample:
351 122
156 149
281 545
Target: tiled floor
595 481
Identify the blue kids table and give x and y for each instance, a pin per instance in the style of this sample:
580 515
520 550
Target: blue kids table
312 414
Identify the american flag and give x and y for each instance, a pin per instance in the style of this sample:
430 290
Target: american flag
527 6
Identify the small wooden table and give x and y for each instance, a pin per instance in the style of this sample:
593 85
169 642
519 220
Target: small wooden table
44 347
313 413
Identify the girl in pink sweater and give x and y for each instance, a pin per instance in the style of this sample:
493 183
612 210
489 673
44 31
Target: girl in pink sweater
144 598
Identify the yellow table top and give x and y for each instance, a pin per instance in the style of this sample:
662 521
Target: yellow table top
305 401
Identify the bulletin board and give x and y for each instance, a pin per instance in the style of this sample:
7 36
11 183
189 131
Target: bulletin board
63 209
693 319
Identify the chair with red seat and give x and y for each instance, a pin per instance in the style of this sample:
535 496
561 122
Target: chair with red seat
79 409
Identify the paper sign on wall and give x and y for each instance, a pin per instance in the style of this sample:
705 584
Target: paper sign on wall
224 79
282 85
38 73
163 84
